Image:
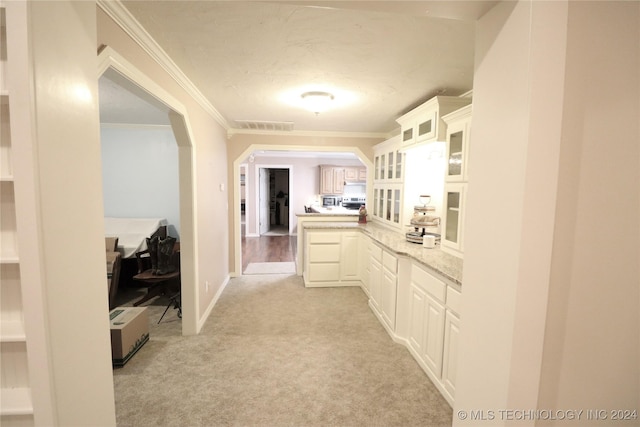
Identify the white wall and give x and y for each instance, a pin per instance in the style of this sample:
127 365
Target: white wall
424 174
550 284
140 173
592 350
67 155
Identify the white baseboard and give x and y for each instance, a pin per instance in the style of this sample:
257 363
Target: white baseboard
213 302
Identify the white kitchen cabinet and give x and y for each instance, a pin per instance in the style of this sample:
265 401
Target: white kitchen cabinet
453 219
375 276
383 285
388 204
457 147
364 252
388 161
416 335
383 269
389 290
427 314
434 335
323 257
424 123
375 283
349 256
331 258
450 352
456 179
388 182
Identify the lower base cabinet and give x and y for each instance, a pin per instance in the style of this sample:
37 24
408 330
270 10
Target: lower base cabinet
434 335
433 327
331 259
389 289
450 353
383 284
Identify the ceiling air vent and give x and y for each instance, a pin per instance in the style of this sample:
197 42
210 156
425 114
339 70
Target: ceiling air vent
264 125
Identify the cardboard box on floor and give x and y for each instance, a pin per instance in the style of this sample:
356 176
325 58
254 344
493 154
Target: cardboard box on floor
129 332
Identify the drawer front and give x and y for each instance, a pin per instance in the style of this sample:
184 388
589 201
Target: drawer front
376 253
324 237
389 262
324 272
429 283
454 300
324 253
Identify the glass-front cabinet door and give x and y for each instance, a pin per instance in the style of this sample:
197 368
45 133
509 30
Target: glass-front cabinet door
407 136
387 200
396 205
427 125
399 167
457 151
453 216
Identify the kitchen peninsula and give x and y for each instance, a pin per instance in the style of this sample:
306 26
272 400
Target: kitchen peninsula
319 214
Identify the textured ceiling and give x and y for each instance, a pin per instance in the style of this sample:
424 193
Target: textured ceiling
252 60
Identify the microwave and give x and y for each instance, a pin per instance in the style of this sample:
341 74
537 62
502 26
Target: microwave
331 200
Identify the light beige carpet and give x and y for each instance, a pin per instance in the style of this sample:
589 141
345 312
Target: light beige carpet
270 268
274 353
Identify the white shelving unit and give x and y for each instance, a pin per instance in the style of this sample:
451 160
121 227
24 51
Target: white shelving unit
15 391
25 391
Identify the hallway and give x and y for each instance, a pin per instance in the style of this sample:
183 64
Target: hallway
268 249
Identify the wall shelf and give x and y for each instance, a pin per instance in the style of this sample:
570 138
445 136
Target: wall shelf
16 401
12 331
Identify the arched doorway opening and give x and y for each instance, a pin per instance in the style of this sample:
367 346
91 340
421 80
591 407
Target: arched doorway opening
121 72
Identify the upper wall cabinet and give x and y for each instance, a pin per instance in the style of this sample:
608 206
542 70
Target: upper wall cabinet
456 178
458 127
333 178
388 177
424 123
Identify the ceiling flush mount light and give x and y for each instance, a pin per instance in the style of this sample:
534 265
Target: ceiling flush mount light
316 102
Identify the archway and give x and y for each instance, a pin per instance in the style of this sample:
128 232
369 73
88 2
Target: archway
129 77
240 159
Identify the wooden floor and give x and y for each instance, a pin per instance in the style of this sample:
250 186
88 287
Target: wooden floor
268 249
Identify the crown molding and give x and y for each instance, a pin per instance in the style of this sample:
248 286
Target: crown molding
130 25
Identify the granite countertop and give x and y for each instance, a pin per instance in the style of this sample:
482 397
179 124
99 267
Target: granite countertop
435 259
338 210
